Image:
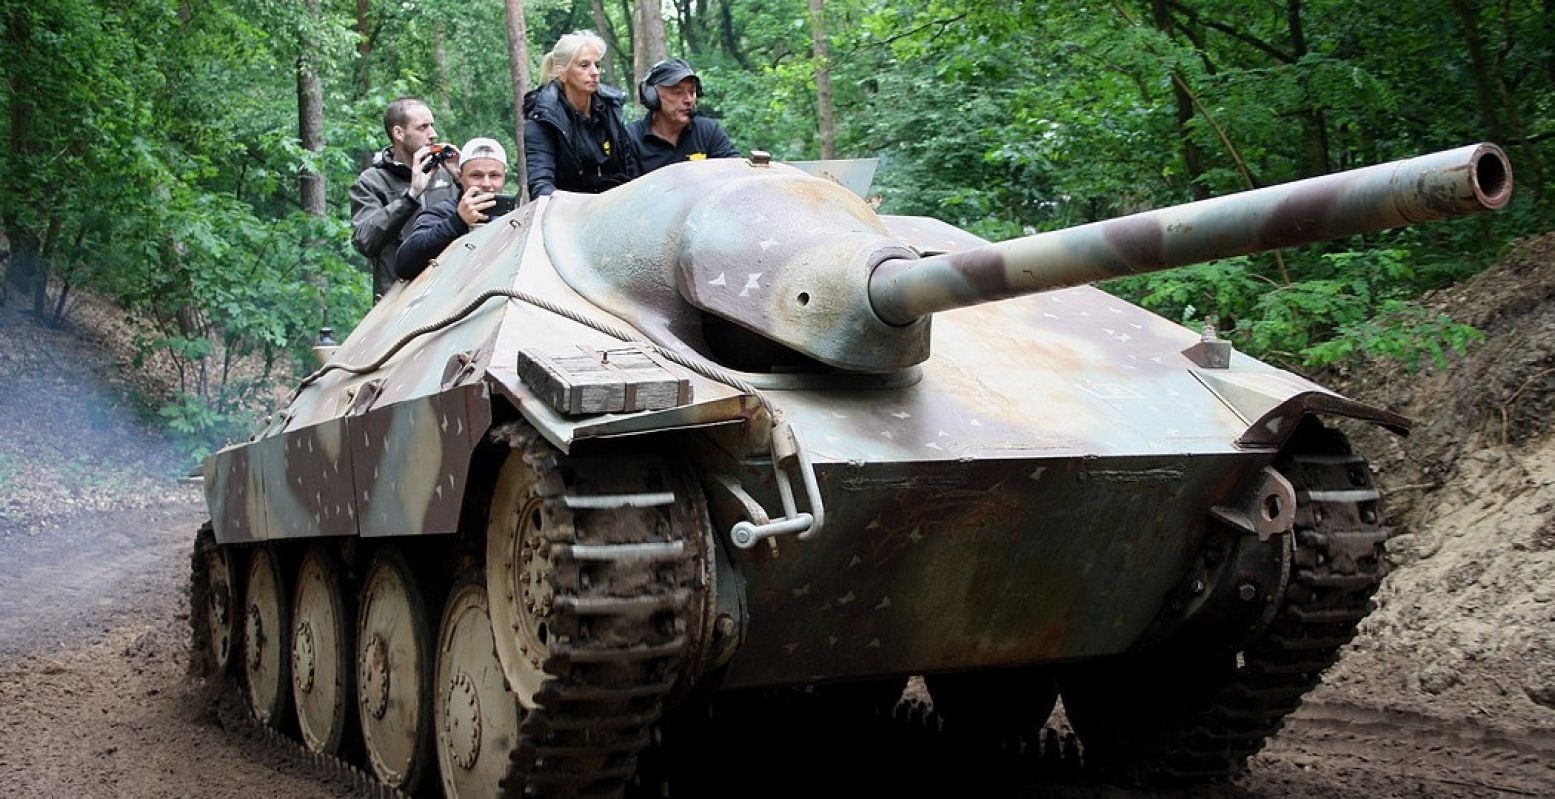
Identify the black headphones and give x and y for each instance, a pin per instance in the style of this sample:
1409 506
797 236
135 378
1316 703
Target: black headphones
658 74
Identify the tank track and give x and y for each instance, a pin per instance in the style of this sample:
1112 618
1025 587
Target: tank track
333 768
1337 566
848 744
620 620
614 659
231 712
618 668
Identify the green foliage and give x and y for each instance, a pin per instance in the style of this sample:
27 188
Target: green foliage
196 425
1399 331
154 152
1343 306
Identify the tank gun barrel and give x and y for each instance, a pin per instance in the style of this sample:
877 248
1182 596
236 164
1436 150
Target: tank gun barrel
1440 185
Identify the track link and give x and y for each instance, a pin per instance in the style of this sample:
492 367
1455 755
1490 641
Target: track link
624 587
226 697
1337 566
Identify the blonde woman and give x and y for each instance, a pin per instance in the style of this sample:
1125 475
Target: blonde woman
574 136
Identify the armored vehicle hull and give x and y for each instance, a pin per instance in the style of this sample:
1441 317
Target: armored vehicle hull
613 454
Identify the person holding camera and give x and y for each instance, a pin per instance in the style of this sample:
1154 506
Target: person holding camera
574 136
408 175
483 171
672 133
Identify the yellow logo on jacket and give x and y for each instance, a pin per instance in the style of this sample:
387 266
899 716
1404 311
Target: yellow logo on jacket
607 146
697 157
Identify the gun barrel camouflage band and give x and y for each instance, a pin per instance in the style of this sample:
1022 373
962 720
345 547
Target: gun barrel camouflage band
1441 185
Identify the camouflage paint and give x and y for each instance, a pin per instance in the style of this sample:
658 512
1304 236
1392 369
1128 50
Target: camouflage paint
1030 493
318 466
853 174
938 566
1437 186
769 248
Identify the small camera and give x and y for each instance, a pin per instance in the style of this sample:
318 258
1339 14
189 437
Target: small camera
440 153
504 205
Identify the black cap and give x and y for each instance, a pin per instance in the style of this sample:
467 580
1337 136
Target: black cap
669 72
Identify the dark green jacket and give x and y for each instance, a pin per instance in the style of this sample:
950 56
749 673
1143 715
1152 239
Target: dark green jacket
382 211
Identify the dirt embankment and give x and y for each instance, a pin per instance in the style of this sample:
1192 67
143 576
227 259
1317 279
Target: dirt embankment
1465 628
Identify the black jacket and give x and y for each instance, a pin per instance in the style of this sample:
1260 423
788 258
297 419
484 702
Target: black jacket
704 138
432 231
567 151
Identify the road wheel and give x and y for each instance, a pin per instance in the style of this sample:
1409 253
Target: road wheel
321 650
598 578
475 717
266 645
394 673
1191 712
520 571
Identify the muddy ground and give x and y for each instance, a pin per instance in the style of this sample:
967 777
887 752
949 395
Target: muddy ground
1449 691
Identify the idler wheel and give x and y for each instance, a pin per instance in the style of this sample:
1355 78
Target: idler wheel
222 610
394 673
322 668
476 718
266 639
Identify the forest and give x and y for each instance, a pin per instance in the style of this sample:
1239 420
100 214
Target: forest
190 160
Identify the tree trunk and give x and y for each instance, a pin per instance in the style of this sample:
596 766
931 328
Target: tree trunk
1192 154
1314 124
628 48
310 133
364 48
518 59
823 99
602 26
648 46
40 278
689 41
25 245
440 66
1549 36
1468 14
310 111
731 42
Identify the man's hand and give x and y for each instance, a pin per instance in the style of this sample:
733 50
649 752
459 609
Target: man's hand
419 177
473 204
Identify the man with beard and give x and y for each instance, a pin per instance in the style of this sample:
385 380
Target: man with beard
408 175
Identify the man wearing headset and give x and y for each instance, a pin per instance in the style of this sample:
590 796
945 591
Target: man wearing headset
672 132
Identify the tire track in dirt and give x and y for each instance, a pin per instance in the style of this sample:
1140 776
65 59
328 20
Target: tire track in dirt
94 701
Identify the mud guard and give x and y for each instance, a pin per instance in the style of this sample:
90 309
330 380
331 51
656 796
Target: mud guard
1274 403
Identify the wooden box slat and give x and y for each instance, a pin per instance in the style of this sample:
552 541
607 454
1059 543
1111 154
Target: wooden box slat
584 380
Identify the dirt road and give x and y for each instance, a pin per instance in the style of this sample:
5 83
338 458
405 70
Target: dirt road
93 696
94 700
1449 691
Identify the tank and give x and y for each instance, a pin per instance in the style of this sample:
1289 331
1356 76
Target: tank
727 427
